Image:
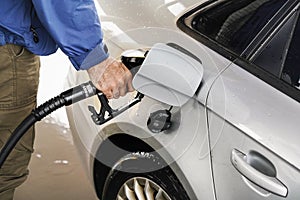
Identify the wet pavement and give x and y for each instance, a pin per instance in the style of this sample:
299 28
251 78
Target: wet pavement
55 169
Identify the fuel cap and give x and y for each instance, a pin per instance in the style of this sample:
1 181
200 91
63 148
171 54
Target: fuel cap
159 121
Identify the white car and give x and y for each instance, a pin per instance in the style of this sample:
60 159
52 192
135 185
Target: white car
220 115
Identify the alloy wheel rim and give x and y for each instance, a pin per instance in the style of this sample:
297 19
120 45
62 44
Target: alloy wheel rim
141 188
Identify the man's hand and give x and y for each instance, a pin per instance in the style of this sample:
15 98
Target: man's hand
112 78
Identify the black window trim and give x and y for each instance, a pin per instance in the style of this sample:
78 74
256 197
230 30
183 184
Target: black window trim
269 78
280 22
269 29
238 59
182 24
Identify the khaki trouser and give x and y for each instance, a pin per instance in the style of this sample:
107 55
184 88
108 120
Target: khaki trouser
19 77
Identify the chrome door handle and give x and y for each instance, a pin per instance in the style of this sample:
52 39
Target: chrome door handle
269 183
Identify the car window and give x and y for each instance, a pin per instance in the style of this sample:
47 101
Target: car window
280 56
291 69
272 54
234 24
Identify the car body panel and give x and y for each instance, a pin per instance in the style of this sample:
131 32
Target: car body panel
232 109
177 147
259 110
249 115
137 14
88 139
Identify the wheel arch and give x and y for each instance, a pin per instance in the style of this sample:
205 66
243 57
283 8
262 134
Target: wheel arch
126 143
123 141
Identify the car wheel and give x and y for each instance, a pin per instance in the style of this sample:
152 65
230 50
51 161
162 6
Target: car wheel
143 176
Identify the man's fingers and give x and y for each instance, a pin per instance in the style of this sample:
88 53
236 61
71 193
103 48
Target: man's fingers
113 78
130 87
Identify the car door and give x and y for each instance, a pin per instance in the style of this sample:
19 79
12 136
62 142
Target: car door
253 116
253 107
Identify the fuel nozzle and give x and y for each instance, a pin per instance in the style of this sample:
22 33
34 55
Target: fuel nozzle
132 59
106 112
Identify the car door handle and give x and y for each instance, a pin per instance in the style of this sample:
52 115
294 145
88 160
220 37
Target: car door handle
267 182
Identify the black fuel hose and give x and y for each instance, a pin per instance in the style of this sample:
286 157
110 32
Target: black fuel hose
66 98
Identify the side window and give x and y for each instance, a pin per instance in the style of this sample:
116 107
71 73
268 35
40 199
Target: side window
234 24
291 69
271 57
280 56
253 34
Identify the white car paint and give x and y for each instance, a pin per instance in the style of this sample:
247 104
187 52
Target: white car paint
231 110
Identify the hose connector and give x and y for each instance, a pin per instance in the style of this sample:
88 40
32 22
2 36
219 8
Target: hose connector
66 98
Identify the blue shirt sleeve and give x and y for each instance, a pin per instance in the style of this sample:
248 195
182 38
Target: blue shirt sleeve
76 28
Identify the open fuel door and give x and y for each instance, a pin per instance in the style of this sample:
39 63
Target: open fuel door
169 74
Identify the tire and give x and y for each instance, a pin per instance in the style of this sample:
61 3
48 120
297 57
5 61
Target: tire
143 174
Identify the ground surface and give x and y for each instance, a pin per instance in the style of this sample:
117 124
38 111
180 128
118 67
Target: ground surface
55 169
